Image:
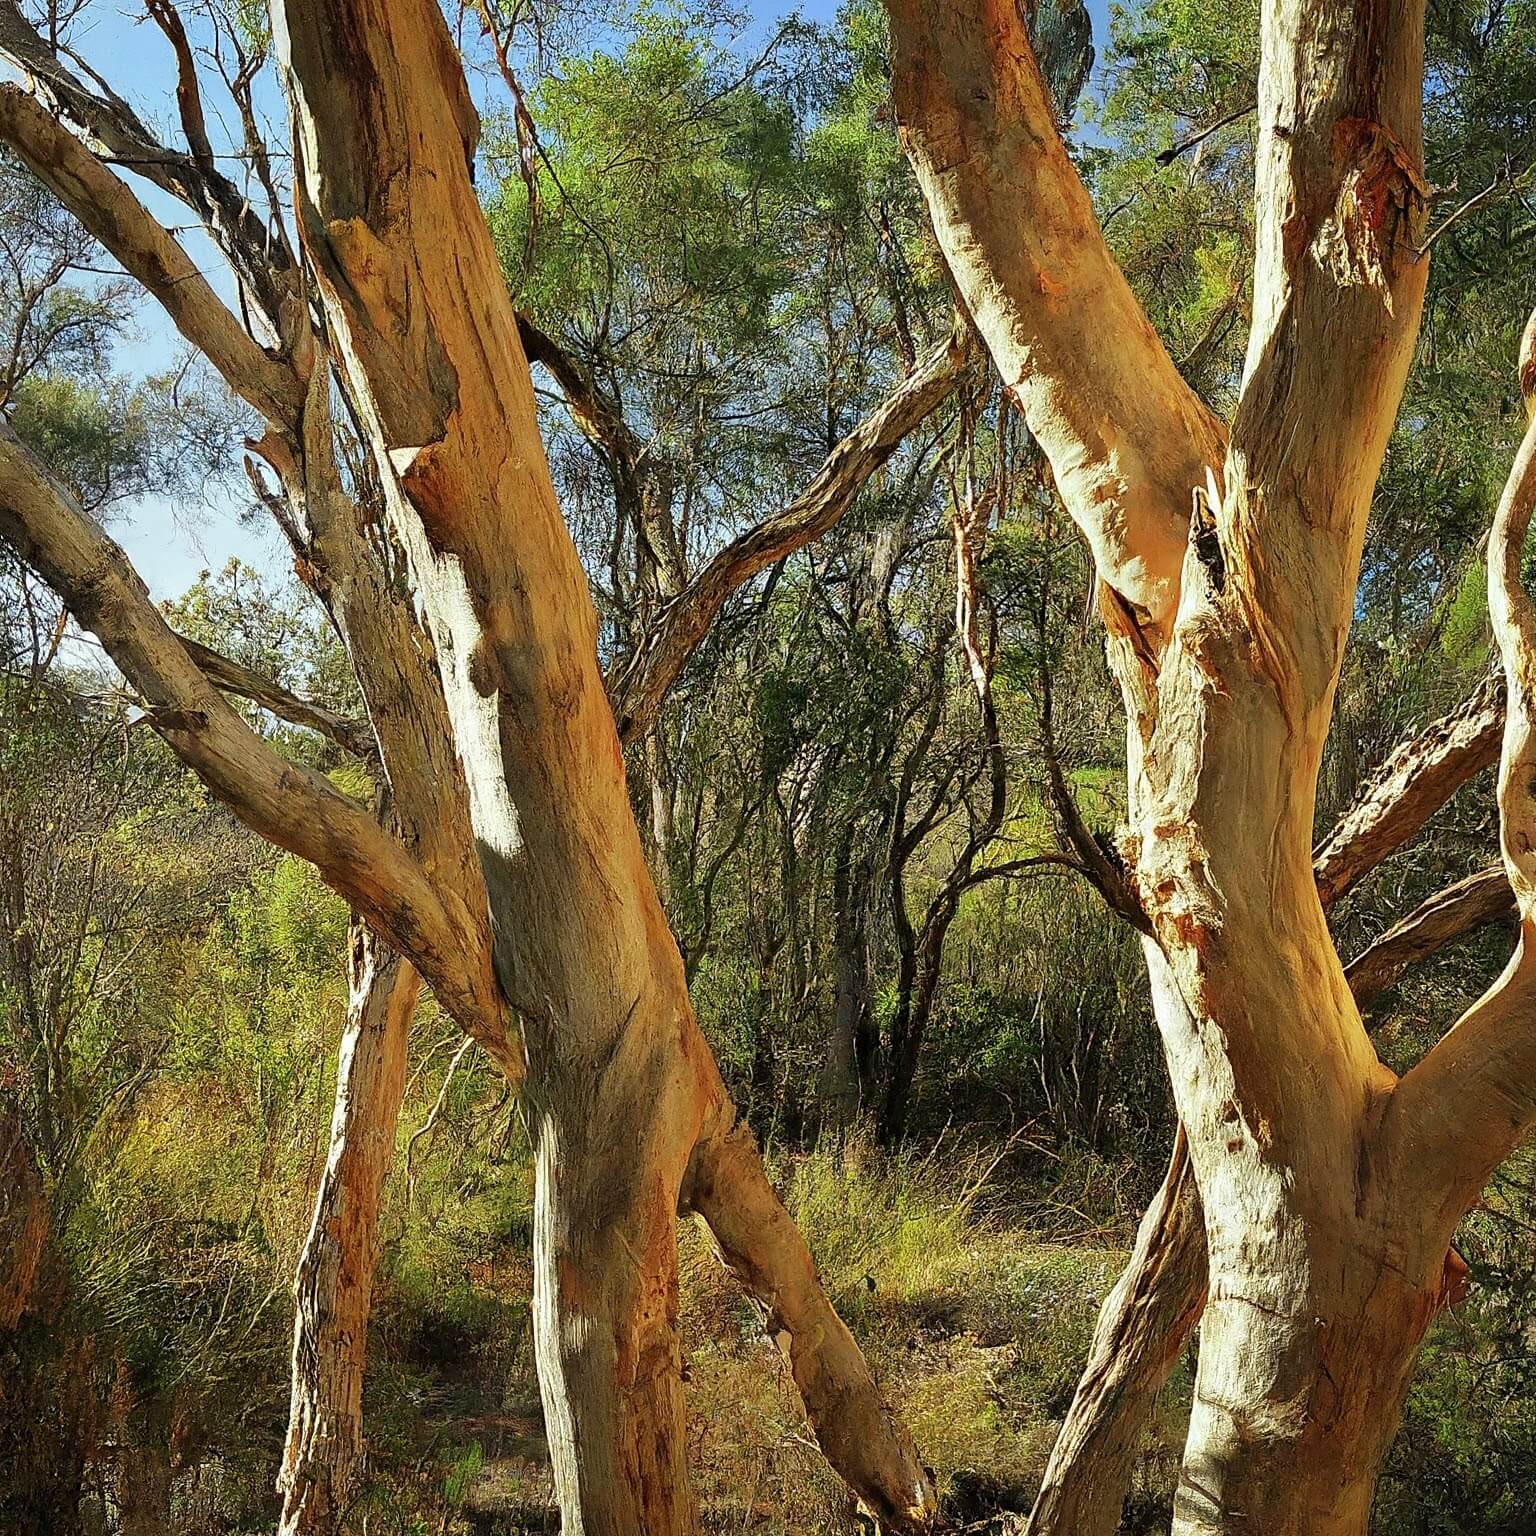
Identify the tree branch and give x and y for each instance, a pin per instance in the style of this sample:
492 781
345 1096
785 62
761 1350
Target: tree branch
1472 1097
1126 437
643 684
1446 916
284 802
258 254
230 676
1417 778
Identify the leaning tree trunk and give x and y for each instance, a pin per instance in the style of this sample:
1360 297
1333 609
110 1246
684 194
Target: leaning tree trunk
333 1288
623 1097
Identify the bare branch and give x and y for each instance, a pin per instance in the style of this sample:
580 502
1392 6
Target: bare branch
1142 1326
639 690
258 254
285 802
1446 916
1473 1095
189 99
229 676
1416 779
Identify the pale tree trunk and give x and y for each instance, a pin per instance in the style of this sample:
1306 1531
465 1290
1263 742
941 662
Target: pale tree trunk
333 1288
580 942
1330 1190
1154 1306
621 1088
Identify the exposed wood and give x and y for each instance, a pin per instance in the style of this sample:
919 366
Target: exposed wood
1126 437
1229 694
385 130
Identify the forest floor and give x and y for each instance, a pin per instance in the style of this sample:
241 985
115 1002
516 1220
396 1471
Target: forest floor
972 1279
976 1327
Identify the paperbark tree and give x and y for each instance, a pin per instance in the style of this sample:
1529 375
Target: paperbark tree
516 886
1153 1309
1330 1190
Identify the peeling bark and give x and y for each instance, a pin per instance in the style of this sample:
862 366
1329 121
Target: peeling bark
608 1358
1323 1269
1416 779
1126 437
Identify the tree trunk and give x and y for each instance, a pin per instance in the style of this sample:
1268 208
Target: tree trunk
333 1288
620 1084
1143 1325
847 1079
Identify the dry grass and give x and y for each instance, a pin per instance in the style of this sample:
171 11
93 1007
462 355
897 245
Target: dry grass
975 1329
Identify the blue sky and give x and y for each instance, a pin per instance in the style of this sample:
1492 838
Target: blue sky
170 545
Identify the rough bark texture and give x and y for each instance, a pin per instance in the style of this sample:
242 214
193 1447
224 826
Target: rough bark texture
460 465
1446 916
1413 783
334 1284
